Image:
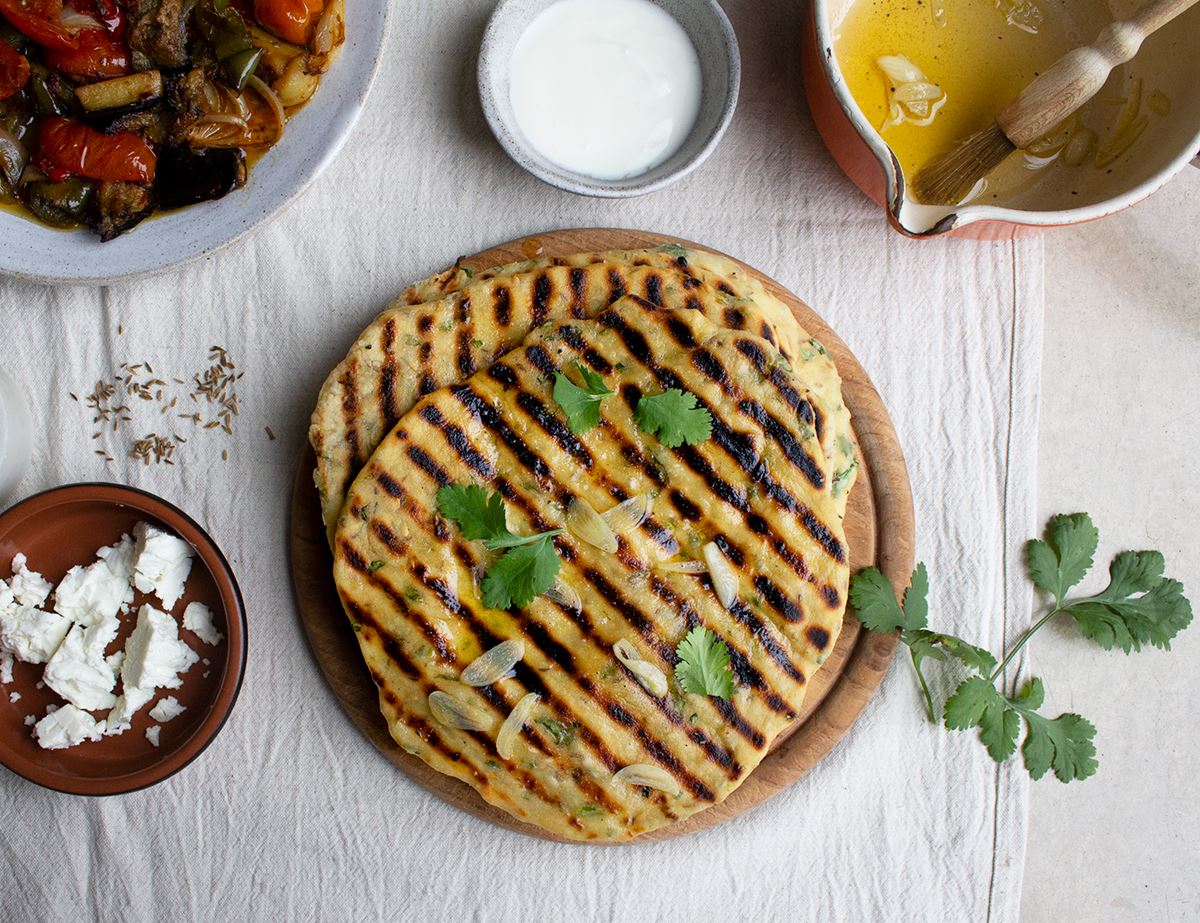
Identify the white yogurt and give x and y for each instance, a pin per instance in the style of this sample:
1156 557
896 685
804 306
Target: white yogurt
605 88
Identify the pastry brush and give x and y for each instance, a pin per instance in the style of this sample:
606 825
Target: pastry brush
1062 90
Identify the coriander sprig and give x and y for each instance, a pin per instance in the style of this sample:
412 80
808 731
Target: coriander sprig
581 404
1138 606
703 667
675 417
529 566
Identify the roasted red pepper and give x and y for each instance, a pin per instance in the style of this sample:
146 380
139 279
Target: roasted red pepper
98 55
67 145
14 70
291 20
38 20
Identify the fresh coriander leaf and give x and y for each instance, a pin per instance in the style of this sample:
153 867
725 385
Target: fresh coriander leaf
478 514
675 417
976 703
916 599
703 667
1065 557
1064 744
998 729
522 574
513 541
581 405
1154 617
374 566
1134 572
936 645
874 601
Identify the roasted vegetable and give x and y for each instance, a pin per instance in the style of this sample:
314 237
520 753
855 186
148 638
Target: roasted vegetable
117 206
291 20
13 157
14 70
63 205
39 20
98 55
74 149
158 33
134 91
186 177
225 29
52 93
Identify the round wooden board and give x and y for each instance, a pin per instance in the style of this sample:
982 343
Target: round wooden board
879 531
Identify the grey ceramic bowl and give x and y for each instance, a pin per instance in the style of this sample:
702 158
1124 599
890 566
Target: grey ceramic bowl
720 71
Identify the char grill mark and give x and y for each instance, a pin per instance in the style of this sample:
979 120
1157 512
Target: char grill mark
654 289
425 462
577 281
350 413
616 285
792 450
711 368
424 323
553 427
502 307
541 360
686 508
542 290
763 634
464 359
778 600
502 375
389 484
458 441
572 337
387 375
490 417
734 319
428 385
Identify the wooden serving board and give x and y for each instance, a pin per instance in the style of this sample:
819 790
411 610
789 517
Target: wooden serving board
879 531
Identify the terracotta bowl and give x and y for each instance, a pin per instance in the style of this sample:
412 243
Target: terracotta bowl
63 527
1167 61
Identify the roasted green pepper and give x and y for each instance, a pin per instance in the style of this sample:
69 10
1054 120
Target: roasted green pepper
227 32
63 205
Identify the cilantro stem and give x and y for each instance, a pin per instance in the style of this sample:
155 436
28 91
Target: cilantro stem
924 687
1021 642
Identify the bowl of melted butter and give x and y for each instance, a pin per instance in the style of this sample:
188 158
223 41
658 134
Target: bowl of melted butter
892 84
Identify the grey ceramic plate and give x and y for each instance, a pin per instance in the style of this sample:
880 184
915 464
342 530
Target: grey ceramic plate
312 140
720 70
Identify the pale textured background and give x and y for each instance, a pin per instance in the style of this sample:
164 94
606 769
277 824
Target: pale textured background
290 814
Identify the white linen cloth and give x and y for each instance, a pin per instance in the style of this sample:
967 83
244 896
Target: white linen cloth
291 814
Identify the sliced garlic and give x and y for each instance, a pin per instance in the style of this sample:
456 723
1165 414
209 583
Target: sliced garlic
587 525
724 578
648 776
683 567
511 728
493 664
454 713
564 594
651 678
627 516
912 97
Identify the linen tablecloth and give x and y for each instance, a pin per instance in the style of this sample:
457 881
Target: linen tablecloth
291 814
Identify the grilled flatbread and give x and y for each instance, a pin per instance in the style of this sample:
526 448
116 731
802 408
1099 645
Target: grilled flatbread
412 349
758 488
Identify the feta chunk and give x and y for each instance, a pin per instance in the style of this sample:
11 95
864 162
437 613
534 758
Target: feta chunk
30 720
128 704
29 587
152 733
31 634
100 590
79 672
14 697
166 709
154 655
66 727
6 665
198 618
161 563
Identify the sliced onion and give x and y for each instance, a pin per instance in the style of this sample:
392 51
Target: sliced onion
13 158
511 728
651 678
257 84
724 578
684 567
454 713
627 516
564 594
587 525
220 118
494 664
74 21
647 775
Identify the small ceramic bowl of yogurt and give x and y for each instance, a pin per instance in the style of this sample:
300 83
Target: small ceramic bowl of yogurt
611 98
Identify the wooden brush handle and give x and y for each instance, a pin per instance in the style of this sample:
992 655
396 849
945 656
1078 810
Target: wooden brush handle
1078 75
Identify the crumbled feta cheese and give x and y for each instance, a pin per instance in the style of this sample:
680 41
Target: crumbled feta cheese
78 670
98 591
29 587
162 563
30 720
154 655
128 704
6 664
66 727
198 618
14 697
31 634
152 733
166 709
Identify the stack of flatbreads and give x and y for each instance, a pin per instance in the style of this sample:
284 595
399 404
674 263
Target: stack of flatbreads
587 732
